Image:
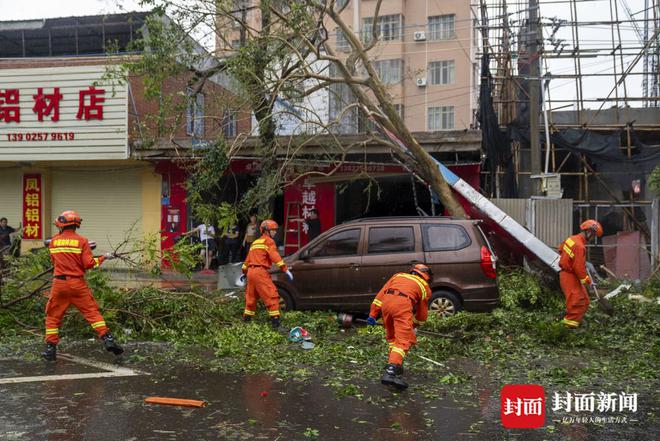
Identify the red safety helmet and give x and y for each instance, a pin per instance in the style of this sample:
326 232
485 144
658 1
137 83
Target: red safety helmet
422 271
592 225
268 225
68 218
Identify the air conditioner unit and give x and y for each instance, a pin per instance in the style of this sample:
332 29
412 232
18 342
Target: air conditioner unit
421 82
419 36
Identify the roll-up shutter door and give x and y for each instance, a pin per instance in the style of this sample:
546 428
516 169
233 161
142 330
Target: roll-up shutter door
108 200
11 203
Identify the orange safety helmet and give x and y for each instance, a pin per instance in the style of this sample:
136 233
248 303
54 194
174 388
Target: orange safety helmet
422 271
268 225
68 218
592 225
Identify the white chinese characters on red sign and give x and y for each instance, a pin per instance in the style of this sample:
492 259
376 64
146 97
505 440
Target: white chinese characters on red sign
308 202
90 104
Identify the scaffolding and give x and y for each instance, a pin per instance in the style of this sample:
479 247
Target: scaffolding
588 65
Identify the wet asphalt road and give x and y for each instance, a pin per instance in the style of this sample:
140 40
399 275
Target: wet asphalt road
248 407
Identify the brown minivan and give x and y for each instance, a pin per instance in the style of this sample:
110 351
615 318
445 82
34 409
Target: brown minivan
346 266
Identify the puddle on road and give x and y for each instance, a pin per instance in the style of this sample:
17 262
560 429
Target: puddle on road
240 407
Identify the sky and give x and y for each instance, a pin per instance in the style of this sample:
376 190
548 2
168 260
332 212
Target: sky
560 89
27 9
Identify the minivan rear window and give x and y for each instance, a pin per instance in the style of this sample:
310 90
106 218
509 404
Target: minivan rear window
391 240
445 237
344 243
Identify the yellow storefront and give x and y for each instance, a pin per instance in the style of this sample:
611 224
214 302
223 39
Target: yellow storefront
65 131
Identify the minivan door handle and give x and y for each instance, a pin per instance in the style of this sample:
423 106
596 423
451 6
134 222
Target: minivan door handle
353 265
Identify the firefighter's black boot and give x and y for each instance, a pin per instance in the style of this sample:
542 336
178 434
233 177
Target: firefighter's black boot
111 345
391 376
50 354
247 318
275 322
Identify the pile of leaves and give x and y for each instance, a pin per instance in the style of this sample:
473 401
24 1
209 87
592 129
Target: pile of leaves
520 342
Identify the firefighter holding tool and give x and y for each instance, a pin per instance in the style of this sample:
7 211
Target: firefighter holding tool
573 276
72 256
261 256
397 301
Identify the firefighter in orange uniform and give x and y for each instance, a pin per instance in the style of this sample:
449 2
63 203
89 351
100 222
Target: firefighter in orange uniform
261 256
72 256
573 276
396 301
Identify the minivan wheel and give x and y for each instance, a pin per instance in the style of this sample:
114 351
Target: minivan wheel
444 304
286 302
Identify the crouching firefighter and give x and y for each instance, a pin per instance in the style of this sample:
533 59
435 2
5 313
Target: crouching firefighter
72 256
261 256
397 301
573 277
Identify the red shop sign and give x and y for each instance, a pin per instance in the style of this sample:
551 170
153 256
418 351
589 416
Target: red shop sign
32 222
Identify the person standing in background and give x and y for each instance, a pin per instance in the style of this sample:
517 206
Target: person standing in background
313 224
250 235
5 233
207 237
232 244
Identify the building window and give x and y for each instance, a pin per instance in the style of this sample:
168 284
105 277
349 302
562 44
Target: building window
195 114
229 124
389 28
441 27
342 41
399 110
441 118
442 72
340 97
340 4
237 8
389 71
236 44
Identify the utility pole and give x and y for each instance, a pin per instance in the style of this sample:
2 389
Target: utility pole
534 92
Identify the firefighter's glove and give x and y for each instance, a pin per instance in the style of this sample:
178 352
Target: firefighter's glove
371 321
289 274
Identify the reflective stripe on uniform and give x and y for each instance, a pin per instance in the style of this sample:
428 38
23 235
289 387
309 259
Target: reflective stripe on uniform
98 324
248 312
273 313
65 250
418 322
399 351
96 262
258 241
377 302
584 281
569 251
570 323
259 247
417 280
50 331
280 263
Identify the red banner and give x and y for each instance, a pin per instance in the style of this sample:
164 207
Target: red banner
32 222
299 199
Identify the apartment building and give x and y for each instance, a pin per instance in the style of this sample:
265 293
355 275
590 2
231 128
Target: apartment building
425 55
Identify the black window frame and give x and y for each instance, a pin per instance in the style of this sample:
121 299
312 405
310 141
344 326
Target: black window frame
414 241
427 245
324 241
